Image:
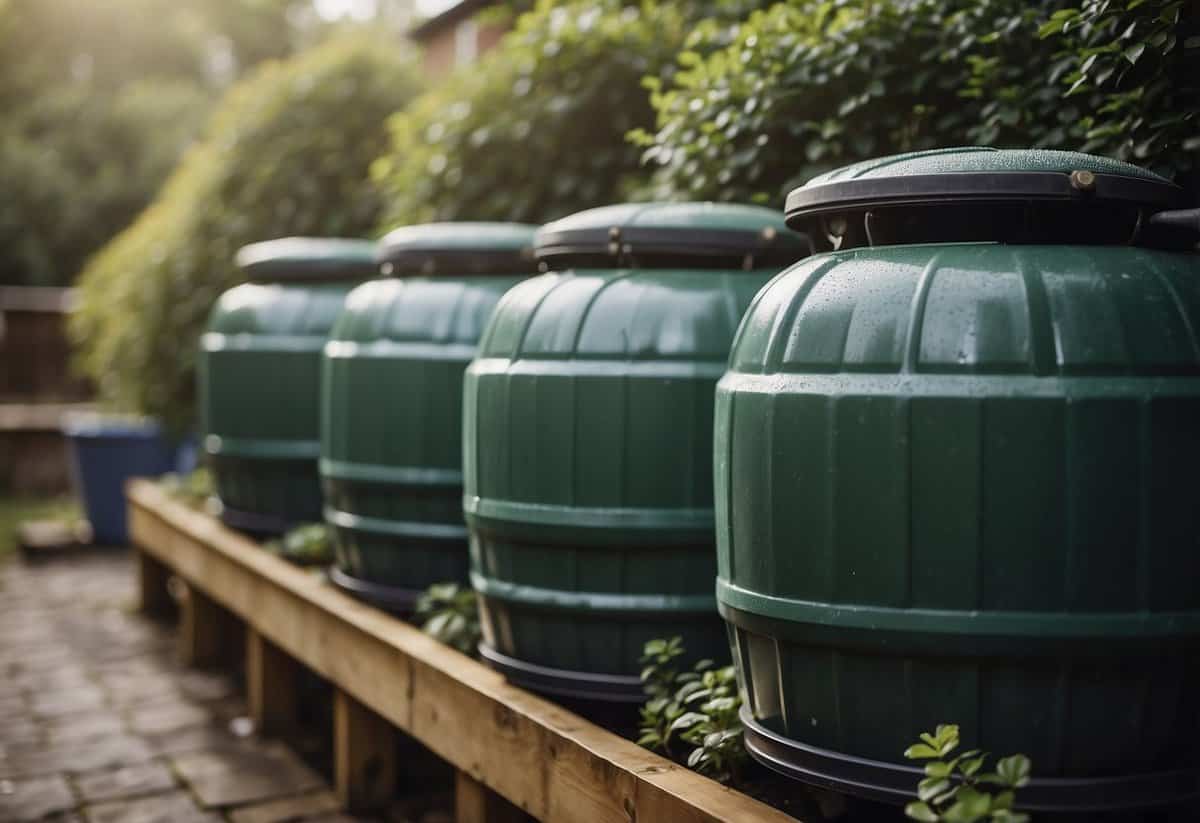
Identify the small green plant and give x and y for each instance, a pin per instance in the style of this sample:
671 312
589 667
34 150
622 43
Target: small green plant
692 715
194 488
307 545
956 789
450 613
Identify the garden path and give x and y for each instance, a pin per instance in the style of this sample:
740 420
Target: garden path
99 723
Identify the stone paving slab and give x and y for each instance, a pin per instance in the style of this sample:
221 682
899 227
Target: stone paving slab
299 807
100 723
119 784
35 798
168 716
242 776
175 807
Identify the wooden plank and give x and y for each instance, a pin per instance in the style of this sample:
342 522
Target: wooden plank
209 635
40 417
364 755
153 574
201 629
272 679
543 759
476 803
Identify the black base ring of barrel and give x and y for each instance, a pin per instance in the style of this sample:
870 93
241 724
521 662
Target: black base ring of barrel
603 688
892 783
255 523
394 599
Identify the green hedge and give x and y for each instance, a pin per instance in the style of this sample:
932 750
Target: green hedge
76 168
807 85
535 129
99 100
286 153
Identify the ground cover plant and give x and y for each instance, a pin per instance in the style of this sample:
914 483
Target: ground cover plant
957 788
691 715
449 612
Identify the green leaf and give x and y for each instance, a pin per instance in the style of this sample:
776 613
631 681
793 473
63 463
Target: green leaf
972 765
931 787
687 720
920 812
1014 770
969 806
920 751
1134 52
939 769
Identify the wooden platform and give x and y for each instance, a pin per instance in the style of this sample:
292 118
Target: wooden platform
512 750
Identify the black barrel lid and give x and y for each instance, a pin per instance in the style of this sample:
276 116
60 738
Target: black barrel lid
670 235
980 193
459 248
291 259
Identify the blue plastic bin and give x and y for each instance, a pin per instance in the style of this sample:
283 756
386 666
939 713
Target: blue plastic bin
106 452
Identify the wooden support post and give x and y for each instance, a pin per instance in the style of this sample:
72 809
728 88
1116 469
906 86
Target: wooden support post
153 574
364 755
476 803
271 685
205 638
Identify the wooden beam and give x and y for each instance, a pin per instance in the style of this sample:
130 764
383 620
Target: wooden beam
476 803
364 755
540 757
203 629
153 574
272 680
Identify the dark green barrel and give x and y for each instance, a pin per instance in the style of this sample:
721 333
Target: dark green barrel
391 422
258 367
587 437
956 472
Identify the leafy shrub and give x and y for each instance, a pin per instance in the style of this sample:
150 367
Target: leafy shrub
807 85
310 544
692 716
100 100
955 790
286 153
536 129
1132 69
77 167
449 613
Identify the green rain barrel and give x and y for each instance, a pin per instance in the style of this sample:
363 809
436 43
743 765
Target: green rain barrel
588 440
956 465
259 377
391 420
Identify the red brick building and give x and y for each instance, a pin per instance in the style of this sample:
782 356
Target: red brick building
456 37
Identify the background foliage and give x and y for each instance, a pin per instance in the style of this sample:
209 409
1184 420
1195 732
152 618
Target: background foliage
76 167
537 128
807 85
100 99
270 164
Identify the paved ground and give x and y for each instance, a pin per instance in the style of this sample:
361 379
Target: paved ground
98 722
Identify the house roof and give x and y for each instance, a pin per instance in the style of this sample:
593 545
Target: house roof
450 17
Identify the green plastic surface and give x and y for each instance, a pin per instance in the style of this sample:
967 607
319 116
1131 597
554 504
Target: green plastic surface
457 236
308 258
587 436
258 373
391 437
956 483
710 216
982 159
